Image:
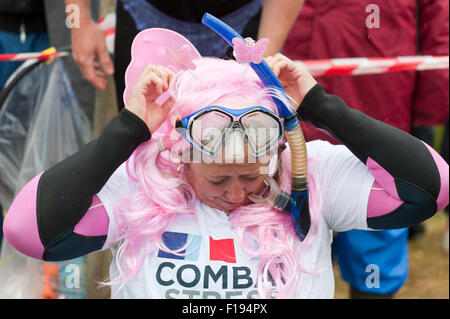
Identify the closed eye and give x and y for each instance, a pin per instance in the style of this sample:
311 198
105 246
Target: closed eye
222 180
218 182
251 178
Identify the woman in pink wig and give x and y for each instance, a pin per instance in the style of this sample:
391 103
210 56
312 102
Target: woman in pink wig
172 186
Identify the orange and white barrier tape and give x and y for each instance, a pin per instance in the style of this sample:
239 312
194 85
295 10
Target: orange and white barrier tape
360 66
44 55
108 25
349 66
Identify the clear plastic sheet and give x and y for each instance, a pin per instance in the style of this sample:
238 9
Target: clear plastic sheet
41 123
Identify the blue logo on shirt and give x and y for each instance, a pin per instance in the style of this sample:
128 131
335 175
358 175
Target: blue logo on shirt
181 246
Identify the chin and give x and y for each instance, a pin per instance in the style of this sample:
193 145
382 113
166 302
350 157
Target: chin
224 208
222 205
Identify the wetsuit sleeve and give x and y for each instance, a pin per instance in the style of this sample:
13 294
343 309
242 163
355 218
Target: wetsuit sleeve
57 216
404 167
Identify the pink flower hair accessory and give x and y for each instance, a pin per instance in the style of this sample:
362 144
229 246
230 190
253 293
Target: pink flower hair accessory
249 51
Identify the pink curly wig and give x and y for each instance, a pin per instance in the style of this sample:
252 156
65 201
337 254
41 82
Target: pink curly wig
165 194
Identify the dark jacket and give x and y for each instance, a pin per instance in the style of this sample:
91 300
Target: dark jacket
193 10
336 29
28 13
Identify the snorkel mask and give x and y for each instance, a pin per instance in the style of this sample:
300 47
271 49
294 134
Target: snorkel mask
170 49
209 128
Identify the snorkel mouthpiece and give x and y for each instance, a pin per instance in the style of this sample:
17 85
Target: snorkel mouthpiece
298 205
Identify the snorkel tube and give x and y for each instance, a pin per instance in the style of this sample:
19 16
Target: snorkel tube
296 204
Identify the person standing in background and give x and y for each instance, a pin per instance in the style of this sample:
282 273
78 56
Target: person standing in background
406 100
251 18
33 26
444 153
23 28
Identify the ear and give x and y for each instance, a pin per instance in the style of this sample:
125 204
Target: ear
187 171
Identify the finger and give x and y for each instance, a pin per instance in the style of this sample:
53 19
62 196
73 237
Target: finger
160 72
276 67
101 83
280 56
170 75
165 74
155 83
277 63
151 68
105 59
270 63
86 67
97 65
282 65
144 78
88 70
156 78
100 74
168 71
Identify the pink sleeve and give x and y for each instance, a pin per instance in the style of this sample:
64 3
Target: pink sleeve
95 222
21 225
442 200
383 198
381 202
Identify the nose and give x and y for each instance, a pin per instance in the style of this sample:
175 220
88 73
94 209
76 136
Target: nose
236 193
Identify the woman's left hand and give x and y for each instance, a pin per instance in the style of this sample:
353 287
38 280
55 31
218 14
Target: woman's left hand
294 77
154 80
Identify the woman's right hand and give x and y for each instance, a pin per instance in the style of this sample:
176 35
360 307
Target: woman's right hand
295 78
154 80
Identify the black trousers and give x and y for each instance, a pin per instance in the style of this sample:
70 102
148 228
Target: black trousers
125 33
444 150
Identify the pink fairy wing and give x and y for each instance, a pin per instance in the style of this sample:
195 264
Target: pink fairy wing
185 56
249 51
182 58
155 46
241 50
258 50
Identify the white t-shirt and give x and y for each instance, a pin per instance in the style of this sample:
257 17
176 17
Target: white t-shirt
214 265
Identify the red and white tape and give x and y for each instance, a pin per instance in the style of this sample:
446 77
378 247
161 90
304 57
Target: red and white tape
34 55
360 66
348 66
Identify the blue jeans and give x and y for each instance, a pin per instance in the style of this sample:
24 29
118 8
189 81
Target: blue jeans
10 43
